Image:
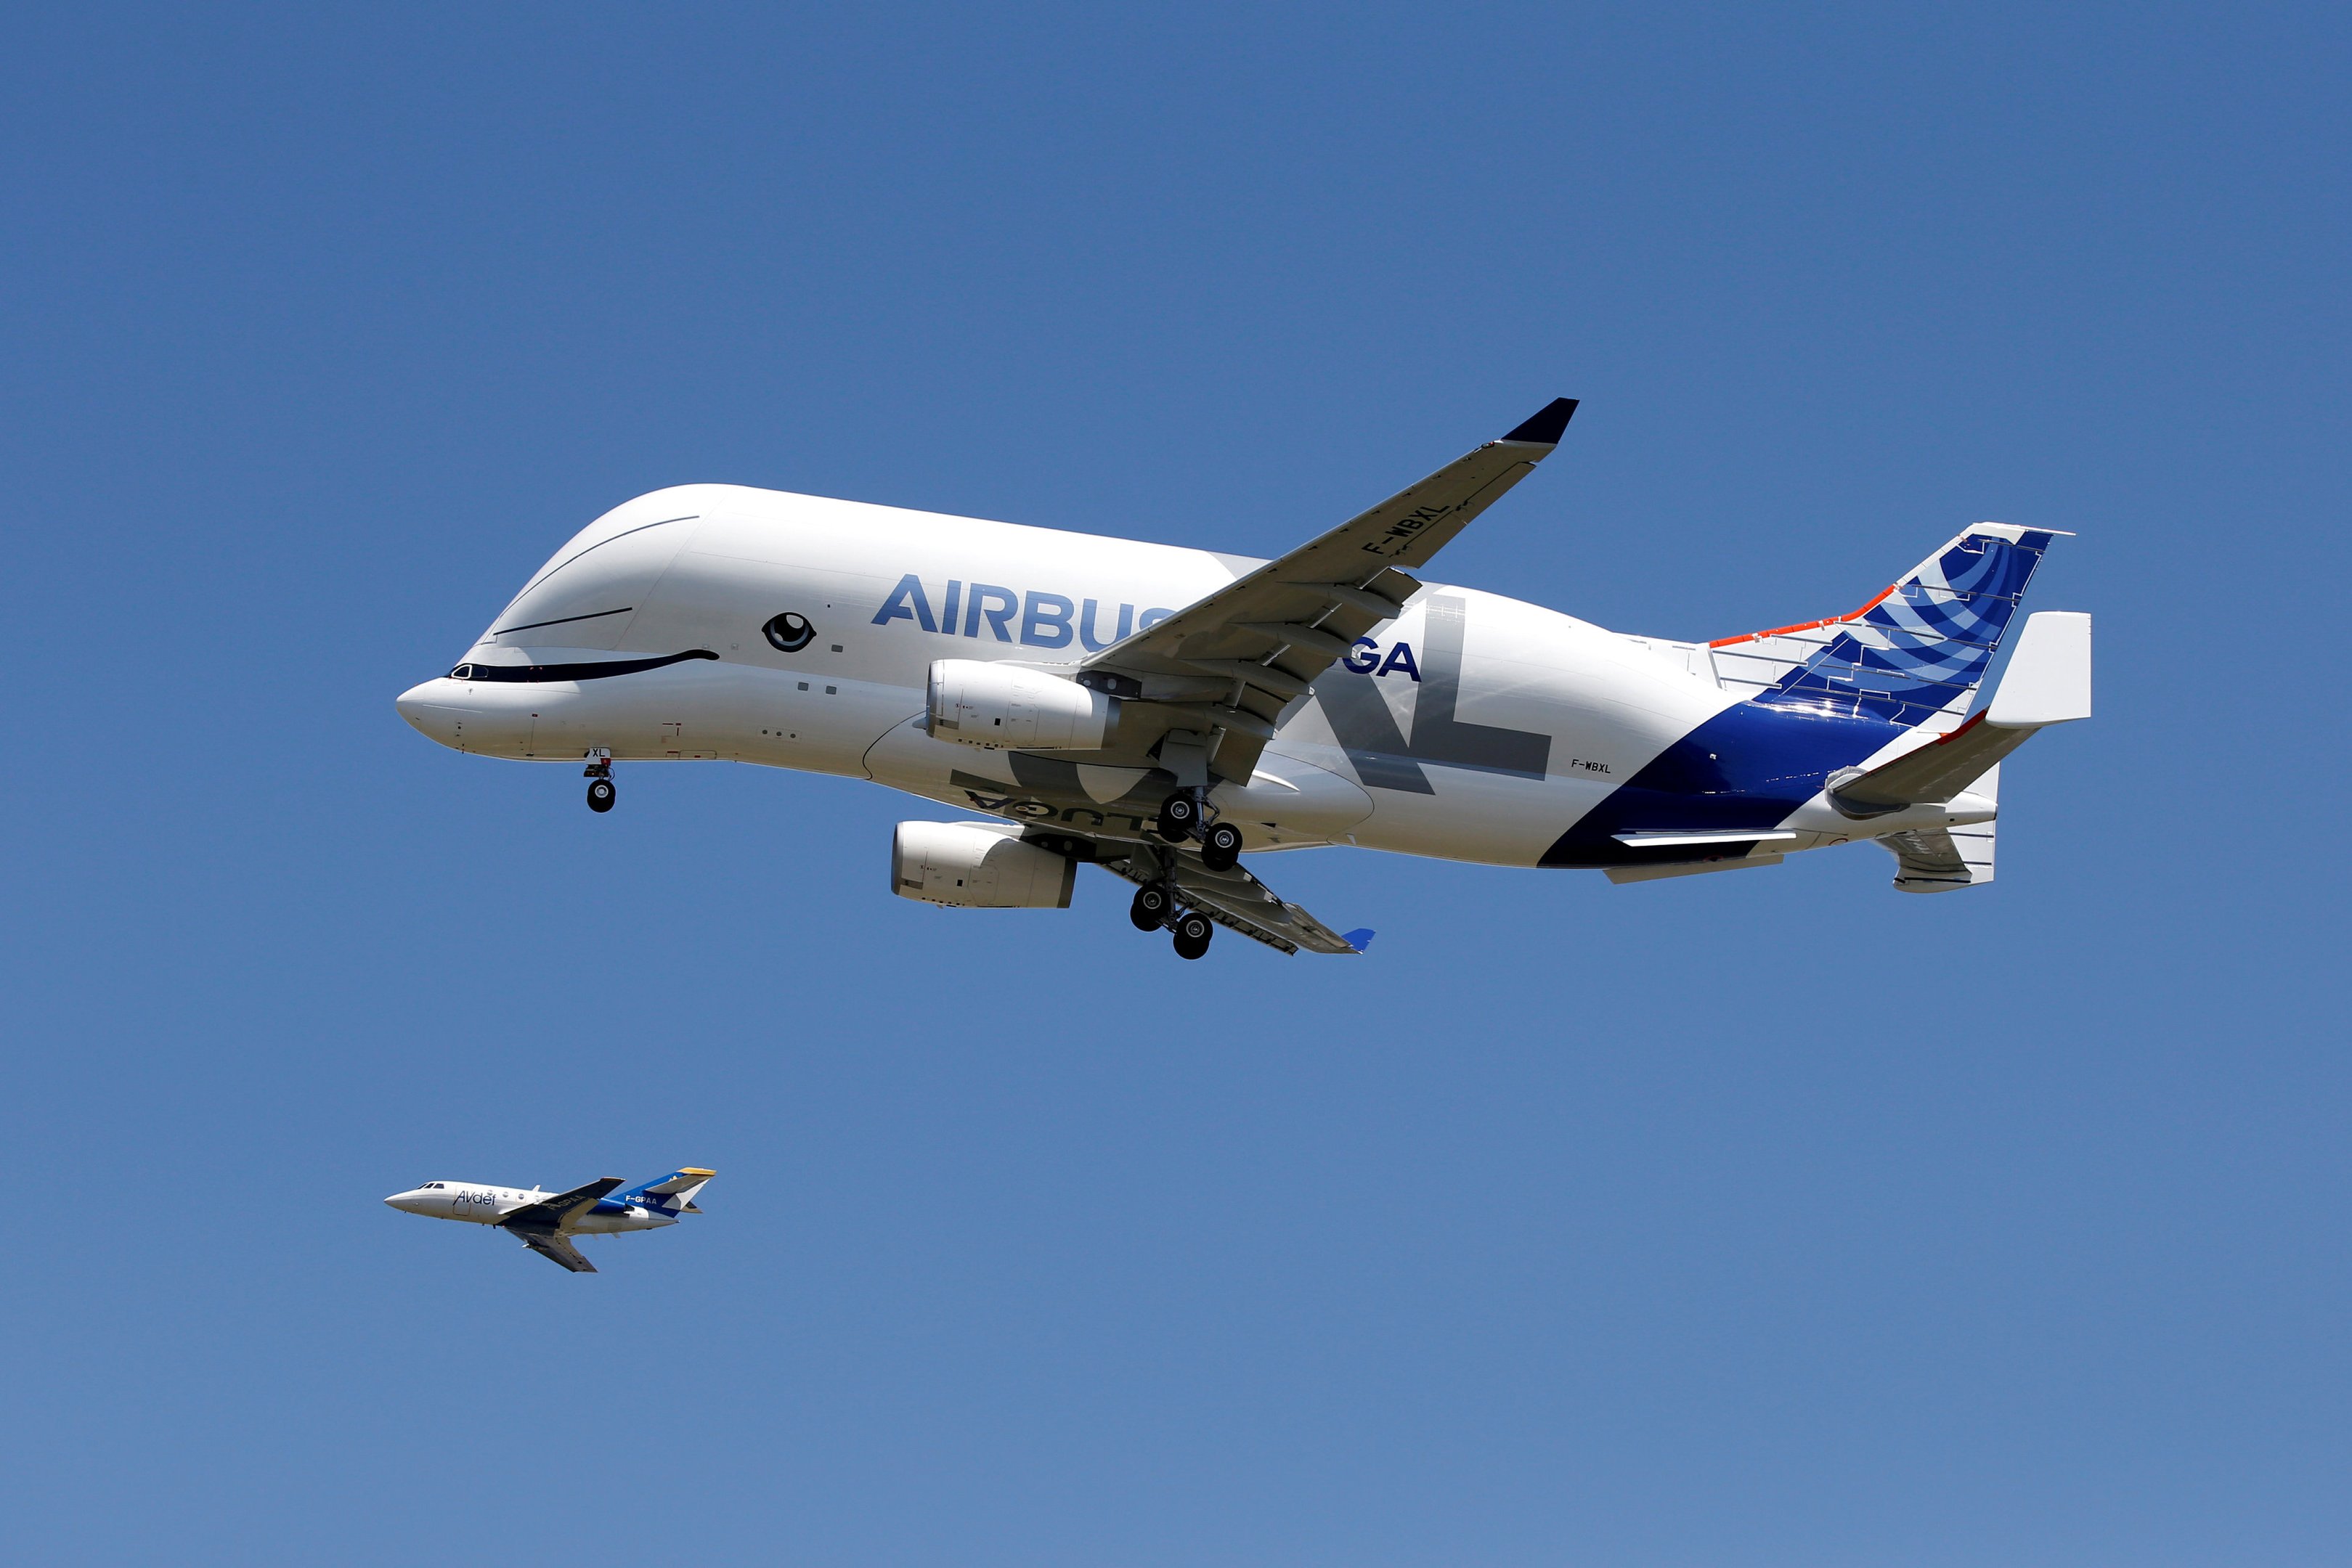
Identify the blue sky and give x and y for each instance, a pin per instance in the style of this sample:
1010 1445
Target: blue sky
1740 1221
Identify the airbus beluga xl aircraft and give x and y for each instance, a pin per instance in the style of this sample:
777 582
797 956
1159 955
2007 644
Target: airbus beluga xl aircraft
1161 712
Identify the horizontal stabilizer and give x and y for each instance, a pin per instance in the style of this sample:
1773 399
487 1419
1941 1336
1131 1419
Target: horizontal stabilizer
1932 775
2048 682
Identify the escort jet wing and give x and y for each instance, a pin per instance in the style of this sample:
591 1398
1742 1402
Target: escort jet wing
547 1222
1161 711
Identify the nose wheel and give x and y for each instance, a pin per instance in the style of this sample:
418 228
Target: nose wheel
600 793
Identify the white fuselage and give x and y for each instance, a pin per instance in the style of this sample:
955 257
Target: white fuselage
797 632
481 1205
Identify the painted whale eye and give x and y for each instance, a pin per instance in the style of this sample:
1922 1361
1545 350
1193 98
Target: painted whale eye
788 633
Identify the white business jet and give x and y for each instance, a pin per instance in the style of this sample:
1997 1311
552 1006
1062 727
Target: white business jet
546 1222
1161 712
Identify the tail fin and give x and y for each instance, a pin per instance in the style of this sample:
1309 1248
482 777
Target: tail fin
673 1193
1913 655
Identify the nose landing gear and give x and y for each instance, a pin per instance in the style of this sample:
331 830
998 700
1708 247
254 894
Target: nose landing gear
599 773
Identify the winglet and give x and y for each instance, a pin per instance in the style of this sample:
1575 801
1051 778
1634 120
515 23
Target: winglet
1548 425
1362 937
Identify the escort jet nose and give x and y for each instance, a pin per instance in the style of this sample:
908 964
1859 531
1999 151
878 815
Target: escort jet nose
547 1222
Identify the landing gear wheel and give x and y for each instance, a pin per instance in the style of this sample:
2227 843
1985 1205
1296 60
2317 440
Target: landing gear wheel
1179 815
1150 910
600 794
1192 934
1220 847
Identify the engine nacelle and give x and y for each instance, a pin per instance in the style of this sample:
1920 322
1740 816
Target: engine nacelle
978 865
997 705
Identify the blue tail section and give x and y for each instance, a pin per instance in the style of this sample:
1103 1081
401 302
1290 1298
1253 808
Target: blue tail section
1821 695
1924 643
672 1193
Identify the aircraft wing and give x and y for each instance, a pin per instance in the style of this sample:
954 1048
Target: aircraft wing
554 1213
1234 899
1251 648
557 1249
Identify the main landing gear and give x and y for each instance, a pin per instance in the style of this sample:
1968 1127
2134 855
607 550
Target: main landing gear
1184 816
599 771
1192 934
1150 910
1155 903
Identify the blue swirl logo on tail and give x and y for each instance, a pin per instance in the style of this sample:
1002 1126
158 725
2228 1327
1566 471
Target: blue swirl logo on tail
1924 643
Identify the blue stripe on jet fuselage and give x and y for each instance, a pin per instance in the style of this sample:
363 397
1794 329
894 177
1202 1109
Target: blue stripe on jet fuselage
621 1203
1748 767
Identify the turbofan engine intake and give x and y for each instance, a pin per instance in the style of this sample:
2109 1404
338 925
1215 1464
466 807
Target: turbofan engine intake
999 706
978 865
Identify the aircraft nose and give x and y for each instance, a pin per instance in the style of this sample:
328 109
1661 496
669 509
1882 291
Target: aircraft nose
412 704
434 709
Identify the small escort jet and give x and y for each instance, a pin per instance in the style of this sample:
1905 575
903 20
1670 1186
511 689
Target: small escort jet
547 1221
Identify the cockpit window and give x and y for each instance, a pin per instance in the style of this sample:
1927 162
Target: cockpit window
462 672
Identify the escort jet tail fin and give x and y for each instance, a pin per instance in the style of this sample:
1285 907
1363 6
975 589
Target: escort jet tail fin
557 1249
554 1213
674 1191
